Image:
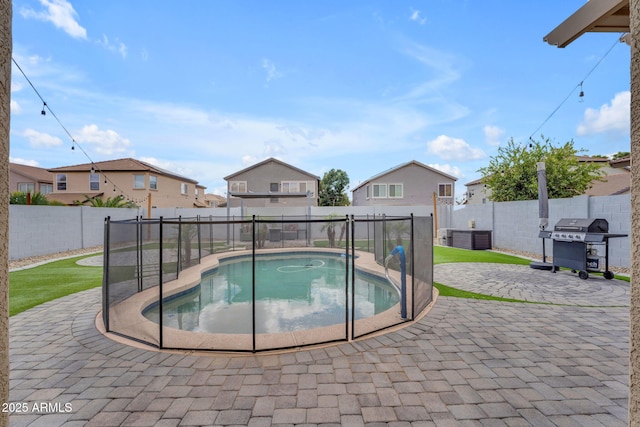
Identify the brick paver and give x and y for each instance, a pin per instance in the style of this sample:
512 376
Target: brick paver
466 362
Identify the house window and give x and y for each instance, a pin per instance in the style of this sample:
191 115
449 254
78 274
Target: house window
138 181
184 189
46 188
153 182
297 186
395 191
445 190
61 182
94 181
379 191
274 188
368 191
238 186
27 187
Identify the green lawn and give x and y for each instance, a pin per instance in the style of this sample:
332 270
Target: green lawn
444 254
34 286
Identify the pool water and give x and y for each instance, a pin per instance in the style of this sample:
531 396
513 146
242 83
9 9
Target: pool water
292 293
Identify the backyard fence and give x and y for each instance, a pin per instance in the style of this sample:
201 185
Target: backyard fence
263 283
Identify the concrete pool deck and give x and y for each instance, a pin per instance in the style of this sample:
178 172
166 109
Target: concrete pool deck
467 362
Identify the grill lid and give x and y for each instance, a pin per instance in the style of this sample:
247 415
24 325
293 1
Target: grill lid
585 225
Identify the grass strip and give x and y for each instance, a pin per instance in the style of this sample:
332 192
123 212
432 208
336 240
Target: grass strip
34 286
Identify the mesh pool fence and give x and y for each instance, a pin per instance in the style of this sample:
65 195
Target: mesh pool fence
176 258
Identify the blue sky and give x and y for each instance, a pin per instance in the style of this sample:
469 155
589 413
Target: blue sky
206 88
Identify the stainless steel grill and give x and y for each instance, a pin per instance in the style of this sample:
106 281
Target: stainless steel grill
576 244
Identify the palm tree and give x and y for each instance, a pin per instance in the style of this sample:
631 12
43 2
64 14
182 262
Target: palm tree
111 202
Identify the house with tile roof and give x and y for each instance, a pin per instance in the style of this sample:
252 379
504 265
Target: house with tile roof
141 182
29 179
408 184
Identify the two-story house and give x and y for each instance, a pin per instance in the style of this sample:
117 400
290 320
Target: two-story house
271 183
29 179
409 184
138 181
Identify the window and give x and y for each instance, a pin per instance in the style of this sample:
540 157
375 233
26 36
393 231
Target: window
61 182
184 189
297 186
94 181
395 191
379 191
46 188
368 191
274 188
138 181
27 187
445 190
238 186
153 182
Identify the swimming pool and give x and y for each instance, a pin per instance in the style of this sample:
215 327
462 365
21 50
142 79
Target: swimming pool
293 292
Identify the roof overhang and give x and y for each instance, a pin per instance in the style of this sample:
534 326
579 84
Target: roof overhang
595 16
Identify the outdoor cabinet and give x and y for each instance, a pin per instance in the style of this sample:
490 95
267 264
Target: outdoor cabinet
471 239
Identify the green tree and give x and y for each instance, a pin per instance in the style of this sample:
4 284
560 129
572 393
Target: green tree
512 173
333 188
111 202
620 155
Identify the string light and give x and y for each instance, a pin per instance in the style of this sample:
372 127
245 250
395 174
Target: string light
94 167
579 85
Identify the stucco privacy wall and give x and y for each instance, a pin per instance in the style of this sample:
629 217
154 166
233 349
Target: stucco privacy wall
43 230
515 224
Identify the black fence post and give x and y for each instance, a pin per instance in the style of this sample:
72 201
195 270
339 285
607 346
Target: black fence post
160 235
413 270
105 274
253 283
353 278
179 265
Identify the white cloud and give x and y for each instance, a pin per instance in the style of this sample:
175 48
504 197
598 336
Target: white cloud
272 71
61 14
25 162
15 107
493 135
609 118
106 142
450 148
116 46
416 16
38 139
448 169
249 160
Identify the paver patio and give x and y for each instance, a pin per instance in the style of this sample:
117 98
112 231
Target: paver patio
467 362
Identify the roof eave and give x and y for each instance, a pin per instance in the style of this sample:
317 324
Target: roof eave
594 16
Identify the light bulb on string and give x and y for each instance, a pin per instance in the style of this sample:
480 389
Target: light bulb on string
44 113
581 95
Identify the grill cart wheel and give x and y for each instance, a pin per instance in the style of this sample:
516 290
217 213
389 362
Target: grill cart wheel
608 275
583 275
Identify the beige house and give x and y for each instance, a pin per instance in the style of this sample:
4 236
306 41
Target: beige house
29 179
272 183
409 184
137 181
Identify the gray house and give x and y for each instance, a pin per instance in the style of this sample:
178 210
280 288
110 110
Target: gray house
408 184
272 183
